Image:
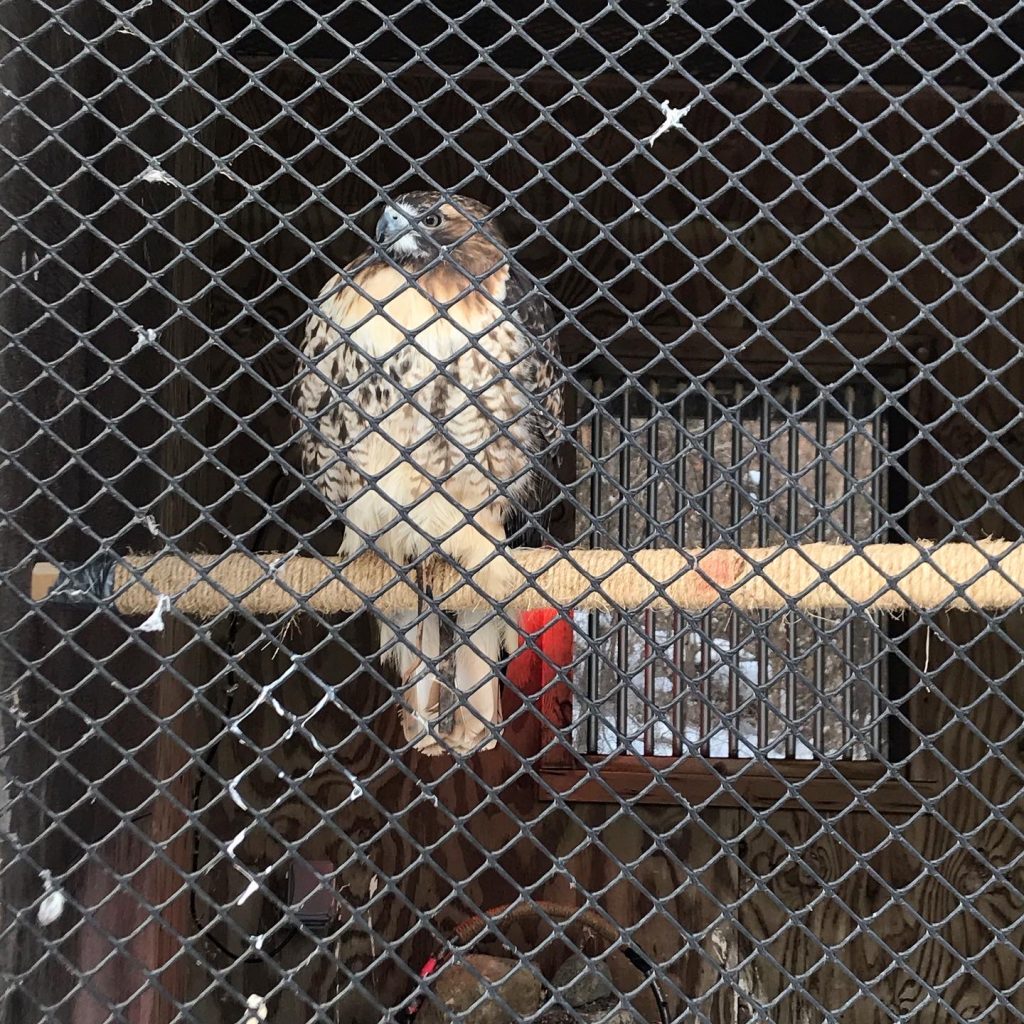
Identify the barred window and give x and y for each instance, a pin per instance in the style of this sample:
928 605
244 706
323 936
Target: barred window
665 463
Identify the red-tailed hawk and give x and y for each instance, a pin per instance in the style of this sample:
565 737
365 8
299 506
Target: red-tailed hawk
430 393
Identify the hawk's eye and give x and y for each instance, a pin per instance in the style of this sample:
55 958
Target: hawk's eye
432 220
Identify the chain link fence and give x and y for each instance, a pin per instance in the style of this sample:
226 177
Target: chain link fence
368 655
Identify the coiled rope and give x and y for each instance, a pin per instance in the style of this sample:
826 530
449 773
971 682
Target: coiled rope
985 574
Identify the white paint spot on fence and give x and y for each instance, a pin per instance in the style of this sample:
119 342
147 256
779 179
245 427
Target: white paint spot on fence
266 696
155 622
255 1010
51 908
357 788
673 119
30 260
149 523
280 563
237 841
144 337
126 27
233 791
52 905
154 173
251 889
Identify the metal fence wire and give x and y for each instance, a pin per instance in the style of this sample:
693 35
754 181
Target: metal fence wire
511 511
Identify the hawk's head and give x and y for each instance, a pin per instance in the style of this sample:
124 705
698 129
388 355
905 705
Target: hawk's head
420 225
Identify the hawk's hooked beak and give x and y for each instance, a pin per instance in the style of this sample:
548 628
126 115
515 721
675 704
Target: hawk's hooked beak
392 224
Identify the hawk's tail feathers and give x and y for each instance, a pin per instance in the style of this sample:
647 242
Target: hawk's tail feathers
432 664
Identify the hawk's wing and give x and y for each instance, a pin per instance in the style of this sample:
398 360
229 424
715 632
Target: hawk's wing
536 318
323 430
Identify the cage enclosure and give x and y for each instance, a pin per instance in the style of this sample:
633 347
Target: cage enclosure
780 243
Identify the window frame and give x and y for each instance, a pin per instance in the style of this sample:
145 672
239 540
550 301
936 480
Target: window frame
895 784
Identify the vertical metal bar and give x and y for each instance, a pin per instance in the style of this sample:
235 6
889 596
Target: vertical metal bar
763 491
877 498
850 528
623 681
594 618
819 627
651 509
736 515
890 496
792 523
707 504
680 677
653 536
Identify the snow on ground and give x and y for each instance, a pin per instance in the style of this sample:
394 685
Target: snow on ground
720 725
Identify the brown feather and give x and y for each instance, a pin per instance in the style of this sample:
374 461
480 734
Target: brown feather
429 402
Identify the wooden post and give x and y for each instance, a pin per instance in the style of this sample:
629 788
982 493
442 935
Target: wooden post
161 945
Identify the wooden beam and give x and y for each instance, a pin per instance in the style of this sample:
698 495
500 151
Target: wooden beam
660 350
731 782
161 945
44 578
811 578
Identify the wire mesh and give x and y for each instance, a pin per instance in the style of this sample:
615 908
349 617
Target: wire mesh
767 664
778 245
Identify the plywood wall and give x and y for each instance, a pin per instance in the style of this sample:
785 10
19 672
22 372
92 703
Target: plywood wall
820 907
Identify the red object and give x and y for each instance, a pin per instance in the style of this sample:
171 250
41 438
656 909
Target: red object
545 671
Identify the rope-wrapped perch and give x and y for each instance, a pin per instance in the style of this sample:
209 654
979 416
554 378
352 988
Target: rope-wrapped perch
815 577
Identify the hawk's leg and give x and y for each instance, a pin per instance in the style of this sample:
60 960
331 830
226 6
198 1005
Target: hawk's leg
477 679
411 642
424 643
481 634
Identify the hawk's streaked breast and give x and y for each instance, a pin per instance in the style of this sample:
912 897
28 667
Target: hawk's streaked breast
426 384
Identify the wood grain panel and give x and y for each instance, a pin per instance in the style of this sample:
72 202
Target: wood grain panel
821 907
941 884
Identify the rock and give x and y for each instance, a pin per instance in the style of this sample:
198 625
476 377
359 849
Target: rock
601 1011
620 1016
459 988
580 981
600 1008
